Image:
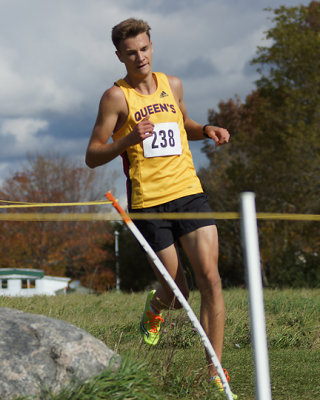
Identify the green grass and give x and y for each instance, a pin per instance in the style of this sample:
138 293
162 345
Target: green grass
175 368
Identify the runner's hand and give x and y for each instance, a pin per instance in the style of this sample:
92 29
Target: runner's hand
218 135
142 130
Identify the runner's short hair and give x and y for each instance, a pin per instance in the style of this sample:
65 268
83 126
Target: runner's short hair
130 27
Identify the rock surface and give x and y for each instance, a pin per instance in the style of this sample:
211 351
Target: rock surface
38 352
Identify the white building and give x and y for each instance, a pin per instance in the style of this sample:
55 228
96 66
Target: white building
30 282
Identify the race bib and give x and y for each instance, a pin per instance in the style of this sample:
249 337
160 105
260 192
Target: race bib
165 141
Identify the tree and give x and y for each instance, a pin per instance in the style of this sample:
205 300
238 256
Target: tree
274 150
135 272
291 130
75 249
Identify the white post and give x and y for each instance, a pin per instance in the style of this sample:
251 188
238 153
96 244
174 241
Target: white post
116 245
258 327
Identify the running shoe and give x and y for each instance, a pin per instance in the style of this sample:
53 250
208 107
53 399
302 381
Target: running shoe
150 323
216 380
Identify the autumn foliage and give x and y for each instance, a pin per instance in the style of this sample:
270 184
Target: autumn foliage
74 249
274 152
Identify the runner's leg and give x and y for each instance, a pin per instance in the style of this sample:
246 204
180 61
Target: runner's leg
201 247
164 298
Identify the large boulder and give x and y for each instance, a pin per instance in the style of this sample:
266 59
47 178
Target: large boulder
38 352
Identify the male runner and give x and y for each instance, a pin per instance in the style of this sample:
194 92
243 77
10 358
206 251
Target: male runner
146 117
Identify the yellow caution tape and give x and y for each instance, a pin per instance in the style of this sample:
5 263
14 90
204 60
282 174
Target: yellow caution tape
114 216
60 217
288 217
146 216
32 205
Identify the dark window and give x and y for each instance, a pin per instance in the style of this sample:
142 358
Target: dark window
4 284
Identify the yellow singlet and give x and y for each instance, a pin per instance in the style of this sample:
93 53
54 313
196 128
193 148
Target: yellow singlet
159 169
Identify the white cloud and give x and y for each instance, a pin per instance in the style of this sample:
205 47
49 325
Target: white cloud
56 59
23 129
51 54
35 94
19 136
26 91
57 56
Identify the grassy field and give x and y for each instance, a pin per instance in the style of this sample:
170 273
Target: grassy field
175 368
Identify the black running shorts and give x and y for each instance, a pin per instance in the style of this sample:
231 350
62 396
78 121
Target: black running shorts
161 233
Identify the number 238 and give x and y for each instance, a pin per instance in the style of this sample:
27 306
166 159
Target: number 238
163 139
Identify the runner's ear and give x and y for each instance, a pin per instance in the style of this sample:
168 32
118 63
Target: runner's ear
118 55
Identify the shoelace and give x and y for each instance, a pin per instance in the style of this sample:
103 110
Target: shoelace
226 374
153 321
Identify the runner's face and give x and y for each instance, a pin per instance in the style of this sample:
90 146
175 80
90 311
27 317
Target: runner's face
136 54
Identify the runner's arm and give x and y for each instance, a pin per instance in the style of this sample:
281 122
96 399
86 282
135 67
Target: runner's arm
112 112
194 130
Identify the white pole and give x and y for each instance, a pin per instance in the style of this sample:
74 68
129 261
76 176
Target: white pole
116 245
258 326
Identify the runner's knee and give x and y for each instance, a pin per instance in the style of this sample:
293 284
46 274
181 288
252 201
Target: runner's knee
209 280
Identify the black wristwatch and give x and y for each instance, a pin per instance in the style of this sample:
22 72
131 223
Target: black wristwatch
204 130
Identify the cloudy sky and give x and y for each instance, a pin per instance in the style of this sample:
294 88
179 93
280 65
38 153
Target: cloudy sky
56 60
